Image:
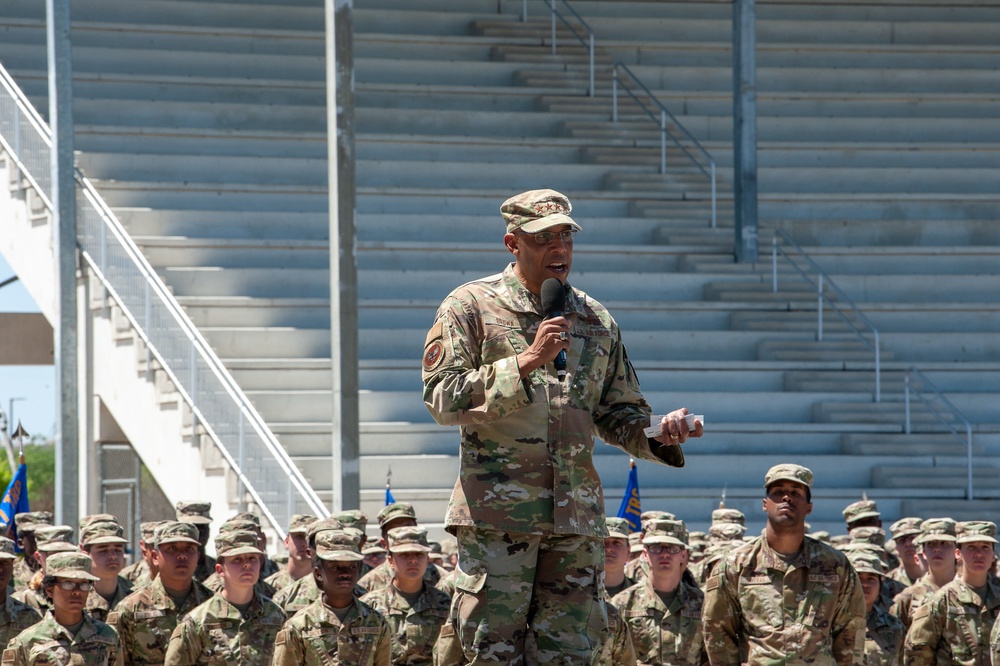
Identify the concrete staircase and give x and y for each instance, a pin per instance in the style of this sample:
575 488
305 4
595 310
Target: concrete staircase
203 125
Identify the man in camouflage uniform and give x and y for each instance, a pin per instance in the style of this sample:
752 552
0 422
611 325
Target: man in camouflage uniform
299 556
142 571
415 610
400 514
936 548
27 523
904 534
214 582
336 629
146 618
663 613
105 543
235 627
884 632
67 634
616 556
863 513
15 616
197 513
527 485
637 567
49 539
872 540
954 626
784 596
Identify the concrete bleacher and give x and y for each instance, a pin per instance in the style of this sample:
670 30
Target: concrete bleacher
203 124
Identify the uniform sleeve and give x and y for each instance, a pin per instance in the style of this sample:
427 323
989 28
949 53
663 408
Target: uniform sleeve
623 413
121 620
447 648
721 619
459 387
383 648
288 648
119 655
848 626
920 645
184 646
15 654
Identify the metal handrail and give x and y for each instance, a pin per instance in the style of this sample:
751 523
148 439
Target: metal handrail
955 412
823 279
217 402
588 42
661 120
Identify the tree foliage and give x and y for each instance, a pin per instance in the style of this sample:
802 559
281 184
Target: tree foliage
41 461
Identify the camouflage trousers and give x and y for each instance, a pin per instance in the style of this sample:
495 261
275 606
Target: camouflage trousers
519 593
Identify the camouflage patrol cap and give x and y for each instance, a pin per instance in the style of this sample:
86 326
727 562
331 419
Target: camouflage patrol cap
372 547
838 540
194 512
821 535
449 546
726 532
247 515
435 555
300 522
338 546
29 521
635 542
323 524
408 540
75 565
7 549
789 472
666 531
97 518
148 530
729 516
859 510
55 538
537 210
937 529
233 525
618 528
353 518
905 527
102 532
231 544
648 516
872 535
972 531
171 531
865 561
392 512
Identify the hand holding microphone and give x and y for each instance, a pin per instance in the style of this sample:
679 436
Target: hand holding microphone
553 303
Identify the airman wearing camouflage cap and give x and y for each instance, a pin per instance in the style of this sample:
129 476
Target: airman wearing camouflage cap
25 524
304 591
616 556
662 632
105 543
299 561
54 539
638 567
232 542
19 616
959 618
403 512
872 535
863 513
143 570
537 210
248 515
741 625
884 632
718 532
92 518
725 515
146 618
237 624
904 536
51 539
393 516
936 549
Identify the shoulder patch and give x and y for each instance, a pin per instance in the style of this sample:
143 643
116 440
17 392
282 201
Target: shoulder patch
9 655
923 611
112 618
433 355
713 582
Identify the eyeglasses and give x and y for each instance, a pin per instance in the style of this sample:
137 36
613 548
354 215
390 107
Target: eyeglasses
546 237
660 548
70 585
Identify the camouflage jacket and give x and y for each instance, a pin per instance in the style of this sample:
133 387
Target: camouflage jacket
627 583
316 637
953 627
135 571
146 618
216 634
22 574
415 628
382 575
99 607
883 639
205 568
279 580
527 446
15 617
811 611
302 593
664 636
899 573
912 598
617 648
34 598
50 643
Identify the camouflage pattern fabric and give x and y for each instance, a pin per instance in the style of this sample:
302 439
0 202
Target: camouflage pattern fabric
527 446
953 627
415 628
23 573
382 575
448 649
302 593
15 617
205 568
315 636
146 618
506 577
617 648
637 569
35 599
268 568
136 571
899 573
912 598
664 636
279 580
809 611
50 643
216 633
626 583
883 639
99 607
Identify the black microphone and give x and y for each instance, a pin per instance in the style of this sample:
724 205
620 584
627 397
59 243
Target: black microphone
553 303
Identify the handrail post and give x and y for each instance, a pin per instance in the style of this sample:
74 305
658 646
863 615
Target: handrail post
17 152
552 6
968 454
149 319
663 141
878 369
524 11
614 93
592 91
713 195
241 473
774 264
906 403
819 309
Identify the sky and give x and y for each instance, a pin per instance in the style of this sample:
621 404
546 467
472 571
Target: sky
32 387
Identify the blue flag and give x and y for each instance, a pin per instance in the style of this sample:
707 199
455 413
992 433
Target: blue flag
15 501
389 499
630 509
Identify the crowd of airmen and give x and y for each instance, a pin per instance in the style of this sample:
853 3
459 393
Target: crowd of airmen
930 593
